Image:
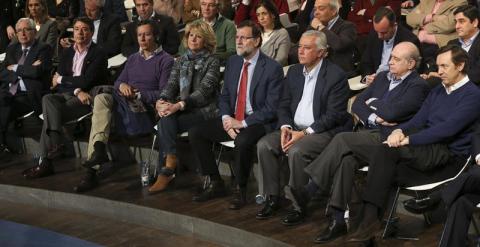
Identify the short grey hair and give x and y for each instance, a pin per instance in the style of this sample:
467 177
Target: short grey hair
31 23
98 3
321 38
334 4
218 3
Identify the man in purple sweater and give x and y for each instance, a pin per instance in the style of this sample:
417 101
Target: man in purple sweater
145 74
430 147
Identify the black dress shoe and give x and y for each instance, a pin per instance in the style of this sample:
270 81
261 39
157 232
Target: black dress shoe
43 169
271 206
421 206
214 189
334 230
239 199
298 197
293 218
89 182
56 151
99 155
365 233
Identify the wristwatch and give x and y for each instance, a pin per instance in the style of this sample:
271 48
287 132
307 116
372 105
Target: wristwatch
305 132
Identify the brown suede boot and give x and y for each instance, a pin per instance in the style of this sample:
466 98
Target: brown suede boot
163 180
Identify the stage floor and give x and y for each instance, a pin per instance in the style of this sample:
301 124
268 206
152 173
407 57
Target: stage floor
124 186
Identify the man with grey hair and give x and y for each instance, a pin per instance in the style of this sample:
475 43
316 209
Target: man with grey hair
107 28
392 98
312 109
341 34
23 77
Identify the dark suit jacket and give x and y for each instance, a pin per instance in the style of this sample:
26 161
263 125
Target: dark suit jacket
329 99
94 70
168 37
341 42
474 59
35 78
109 35
372 56
400 105
264 91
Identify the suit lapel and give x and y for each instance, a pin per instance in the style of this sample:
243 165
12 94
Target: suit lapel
319 86
88 57
257 75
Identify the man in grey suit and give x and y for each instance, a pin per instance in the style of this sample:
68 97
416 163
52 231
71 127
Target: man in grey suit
313 108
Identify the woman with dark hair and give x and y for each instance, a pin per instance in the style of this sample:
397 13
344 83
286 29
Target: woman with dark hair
275 39
189 97
47 31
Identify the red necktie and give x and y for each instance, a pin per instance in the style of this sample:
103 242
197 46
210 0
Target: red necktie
242 94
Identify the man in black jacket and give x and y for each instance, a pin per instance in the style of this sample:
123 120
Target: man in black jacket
168 36
82 66
23 77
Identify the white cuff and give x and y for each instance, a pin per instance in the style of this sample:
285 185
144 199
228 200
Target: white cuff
310 130
77 91
286 126
59 80
246 2
225 117
244 123
477 158
372 118
15 66
370 101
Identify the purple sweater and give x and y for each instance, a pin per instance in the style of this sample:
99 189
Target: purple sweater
148 76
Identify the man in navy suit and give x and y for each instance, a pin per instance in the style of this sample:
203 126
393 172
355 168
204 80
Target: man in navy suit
393 97
313 108
247 105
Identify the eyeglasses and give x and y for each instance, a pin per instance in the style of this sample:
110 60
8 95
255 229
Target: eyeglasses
243 38
24 30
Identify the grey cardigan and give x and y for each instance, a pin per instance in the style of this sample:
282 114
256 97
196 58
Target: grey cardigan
278 46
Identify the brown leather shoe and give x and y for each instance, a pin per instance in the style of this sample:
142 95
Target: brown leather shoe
239 199
43 169
161 183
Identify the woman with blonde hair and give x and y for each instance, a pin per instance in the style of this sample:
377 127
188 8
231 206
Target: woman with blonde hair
189 97
47 31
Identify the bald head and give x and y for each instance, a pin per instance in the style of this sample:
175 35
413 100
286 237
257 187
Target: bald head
405 57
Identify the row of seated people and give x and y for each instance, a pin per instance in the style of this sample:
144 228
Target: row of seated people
433 26
254 95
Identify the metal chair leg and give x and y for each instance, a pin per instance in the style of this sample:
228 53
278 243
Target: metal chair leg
392 212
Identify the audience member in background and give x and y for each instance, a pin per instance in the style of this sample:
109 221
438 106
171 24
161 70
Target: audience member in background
107 28
144 76
246 10
82 66
192 9
386 34
224 29
275 40
248 105
110 7
172 8
7 30
430 147
64 13
434 24
47 31
189 98
394 97
168 36
23 77
466 24
312 109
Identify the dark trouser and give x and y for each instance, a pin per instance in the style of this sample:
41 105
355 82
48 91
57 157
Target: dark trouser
404 166
169 127
461 196
205 134
334 170
11 108
299 155
57 110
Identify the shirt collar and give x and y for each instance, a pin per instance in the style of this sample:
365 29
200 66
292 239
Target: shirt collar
75 47
397 80
391 40
457 85
154 53
153 15
254 59
332 22
469 41
314 72
214 21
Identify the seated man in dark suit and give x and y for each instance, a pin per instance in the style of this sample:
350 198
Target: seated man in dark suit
460 197
430 147
387 102
107 33
81 67
380 42
23 77
168 37
466 24
110 7
248 105
313 108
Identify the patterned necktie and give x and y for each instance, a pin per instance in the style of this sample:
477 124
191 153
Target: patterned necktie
14 85
242 94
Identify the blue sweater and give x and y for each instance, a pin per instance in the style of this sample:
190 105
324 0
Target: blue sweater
446 118
148 76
